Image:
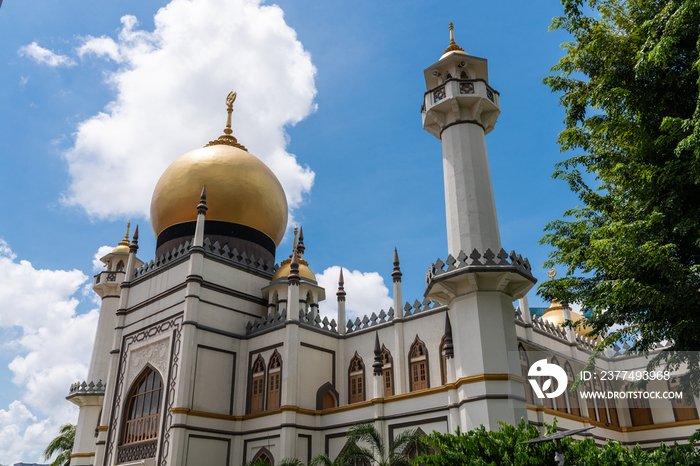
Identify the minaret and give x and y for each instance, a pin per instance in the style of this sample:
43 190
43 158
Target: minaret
459 109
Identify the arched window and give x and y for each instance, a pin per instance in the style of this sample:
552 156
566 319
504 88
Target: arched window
611 406
682 411
326 397
561 399
418 366
572 396
357 379
264 456
144 408
120 266
387 374
258 385
274 381
524 367
602 415
592 413
640 411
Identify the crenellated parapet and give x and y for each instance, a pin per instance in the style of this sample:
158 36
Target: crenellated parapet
86 393
507 273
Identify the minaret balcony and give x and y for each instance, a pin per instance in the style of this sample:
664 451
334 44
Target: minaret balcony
108 283
460 100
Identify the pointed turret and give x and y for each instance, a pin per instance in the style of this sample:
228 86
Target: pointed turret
293 277
300 246
396 274
378 364
449 347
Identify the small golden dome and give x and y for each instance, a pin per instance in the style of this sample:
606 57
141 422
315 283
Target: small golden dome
123 245
555 315
285 267
241 189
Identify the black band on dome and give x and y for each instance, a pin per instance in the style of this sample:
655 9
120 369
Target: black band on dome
216 228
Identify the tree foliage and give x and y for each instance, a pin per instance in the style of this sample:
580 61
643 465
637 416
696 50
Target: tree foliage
367 446
63 445
629 86
480 447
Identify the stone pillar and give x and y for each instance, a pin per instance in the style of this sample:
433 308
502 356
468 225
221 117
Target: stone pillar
399 365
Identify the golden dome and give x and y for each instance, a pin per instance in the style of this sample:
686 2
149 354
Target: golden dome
241 189
285 267
555 315
123 245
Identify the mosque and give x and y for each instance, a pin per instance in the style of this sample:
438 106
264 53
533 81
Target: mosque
213 354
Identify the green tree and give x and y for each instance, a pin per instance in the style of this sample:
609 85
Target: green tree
63 445
629 86
480 447
376 453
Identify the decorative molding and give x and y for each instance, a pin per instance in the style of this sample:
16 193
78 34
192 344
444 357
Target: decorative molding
172 324
156 354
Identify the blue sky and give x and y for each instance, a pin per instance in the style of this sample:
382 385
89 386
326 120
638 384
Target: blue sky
334 110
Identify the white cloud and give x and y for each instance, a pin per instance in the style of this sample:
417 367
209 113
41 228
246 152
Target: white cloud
171 87
23 80
44 56
365 293
97 264
100 46
51 349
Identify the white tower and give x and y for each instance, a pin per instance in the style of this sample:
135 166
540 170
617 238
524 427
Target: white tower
479 282
460 108
89 395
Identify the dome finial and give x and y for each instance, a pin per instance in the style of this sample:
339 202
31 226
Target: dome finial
453 45
226 138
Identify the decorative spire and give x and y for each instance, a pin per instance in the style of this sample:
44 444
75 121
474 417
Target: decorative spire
294 246
202 207
341 290
125 241
449 347
378 364
226 138
293 277
300 244
134 246
397 270
453 45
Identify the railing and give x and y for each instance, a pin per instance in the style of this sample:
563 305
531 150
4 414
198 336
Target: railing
141 429
137 451
465 87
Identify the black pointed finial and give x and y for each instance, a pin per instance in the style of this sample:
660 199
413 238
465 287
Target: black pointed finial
341 289
293 277
449 347
202 207
134 246
300 245
397 270
378 364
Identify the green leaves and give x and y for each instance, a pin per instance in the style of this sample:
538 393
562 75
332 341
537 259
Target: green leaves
63 445
504 448
629 88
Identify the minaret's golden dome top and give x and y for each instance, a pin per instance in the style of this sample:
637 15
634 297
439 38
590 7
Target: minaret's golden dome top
286 265
241 189
123 245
